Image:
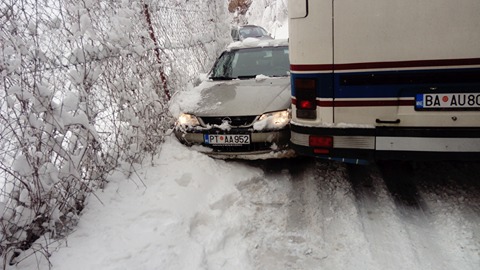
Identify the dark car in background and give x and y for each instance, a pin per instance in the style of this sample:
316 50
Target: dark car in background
244 111
240 33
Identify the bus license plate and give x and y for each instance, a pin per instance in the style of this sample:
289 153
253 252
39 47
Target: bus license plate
227 139
454 101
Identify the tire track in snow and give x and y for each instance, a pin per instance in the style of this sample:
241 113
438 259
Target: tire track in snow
313 214
315 227
396 235
417 219
452 193
421 236
338 217
278 242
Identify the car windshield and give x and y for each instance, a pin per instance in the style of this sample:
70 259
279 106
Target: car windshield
250 62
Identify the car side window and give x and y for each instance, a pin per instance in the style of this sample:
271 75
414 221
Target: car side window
234 34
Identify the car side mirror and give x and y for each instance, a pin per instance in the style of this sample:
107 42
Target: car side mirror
200 78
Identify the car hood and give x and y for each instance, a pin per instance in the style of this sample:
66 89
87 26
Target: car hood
244 97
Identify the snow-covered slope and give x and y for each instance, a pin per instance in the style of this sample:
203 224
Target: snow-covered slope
270 14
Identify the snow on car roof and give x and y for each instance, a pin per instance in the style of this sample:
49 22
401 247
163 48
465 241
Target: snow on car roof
254 42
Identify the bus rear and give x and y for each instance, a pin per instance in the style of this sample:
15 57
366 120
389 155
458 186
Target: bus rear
385 79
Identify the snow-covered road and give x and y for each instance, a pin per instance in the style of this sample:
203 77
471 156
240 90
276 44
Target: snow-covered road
391 216
189 211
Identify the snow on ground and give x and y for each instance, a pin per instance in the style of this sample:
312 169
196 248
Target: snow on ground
173 216
189 211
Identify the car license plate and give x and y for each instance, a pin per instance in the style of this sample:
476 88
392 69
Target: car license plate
227 139
452 101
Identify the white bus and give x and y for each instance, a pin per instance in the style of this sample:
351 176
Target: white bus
385 79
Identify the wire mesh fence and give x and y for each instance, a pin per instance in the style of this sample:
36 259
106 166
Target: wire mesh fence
84 88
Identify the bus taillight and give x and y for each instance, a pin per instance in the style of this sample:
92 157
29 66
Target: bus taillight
320 141
321 144
305 93
306 105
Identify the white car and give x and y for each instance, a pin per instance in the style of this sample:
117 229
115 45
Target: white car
244 110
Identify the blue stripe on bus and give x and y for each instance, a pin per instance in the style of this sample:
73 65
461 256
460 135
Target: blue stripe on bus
392 84
324 83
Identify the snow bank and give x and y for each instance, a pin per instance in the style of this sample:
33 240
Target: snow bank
173 216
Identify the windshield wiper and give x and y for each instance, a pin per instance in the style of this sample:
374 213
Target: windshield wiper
247 77
222 78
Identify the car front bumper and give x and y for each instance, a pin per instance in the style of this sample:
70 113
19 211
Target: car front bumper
263 145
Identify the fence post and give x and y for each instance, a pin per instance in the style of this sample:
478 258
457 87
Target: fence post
157 51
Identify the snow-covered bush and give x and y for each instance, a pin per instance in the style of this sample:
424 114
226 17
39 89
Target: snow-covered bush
84 87
270 14
238 8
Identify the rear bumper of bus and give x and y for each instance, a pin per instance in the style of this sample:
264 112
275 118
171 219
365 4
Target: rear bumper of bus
386 143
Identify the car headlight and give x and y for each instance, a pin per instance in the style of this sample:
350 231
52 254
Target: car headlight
186 119
273 120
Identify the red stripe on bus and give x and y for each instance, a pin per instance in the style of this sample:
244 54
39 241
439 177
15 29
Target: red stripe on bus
311 67
385 65
323 103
